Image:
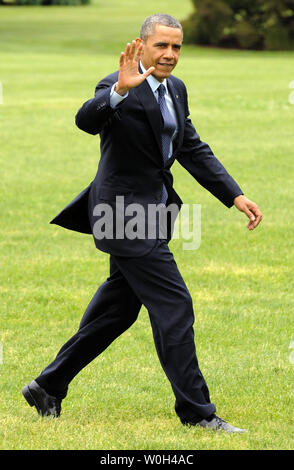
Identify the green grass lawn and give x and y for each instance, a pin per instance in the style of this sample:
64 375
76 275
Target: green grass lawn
241 281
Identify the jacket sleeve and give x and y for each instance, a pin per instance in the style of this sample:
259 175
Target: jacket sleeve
198 159
97 112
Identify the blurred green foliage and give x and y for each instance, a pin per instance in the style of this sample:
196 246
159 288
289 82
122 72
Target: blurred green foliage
44 2
245 24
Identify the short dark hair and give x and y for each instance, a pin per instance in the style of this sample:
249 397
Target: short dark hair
149 24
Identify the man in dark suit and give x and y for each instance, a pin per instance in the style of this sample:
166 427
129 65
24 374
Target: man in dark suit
141 113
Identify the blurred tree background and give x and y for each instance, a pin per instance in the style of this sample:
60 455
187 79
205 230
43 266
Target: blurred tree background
44 2
244 24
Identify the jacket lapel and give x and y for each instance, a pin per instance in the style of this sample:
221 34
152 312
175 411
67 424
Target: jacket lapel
179 112
151 107
148 100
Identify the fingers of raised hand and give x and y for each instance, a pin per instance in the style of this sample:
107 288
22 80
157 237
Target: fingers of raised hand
138 52
122 59
130 53
149 72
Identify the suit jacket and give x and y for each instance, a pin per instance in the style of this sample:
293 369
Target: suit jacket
131 163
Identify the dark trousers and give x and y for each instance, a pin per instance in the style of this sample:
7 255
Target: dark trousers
154 281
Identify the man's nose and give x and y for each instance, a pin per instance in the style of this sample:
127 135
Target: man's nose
169 53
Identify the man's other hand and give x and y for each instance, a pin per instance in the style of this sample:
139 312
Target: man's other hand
250 209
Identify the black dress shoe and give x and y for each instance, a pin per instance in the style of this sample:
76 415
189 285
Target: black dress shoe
46 404
219 424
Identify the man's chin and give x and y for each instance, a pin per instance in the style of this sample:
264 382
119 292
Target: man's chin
160 75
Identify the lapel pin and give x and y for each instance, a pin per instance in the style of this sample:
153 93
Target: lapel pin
177 96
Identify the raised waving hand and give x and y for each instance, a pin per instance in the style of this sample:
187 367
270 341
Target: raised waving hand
129 75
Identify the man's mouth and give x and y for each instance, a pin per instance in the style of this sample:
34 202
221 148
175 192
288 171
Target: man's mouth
164 64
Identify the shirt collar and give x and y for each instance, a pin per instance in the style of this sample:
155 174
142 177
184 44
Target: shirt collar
153 82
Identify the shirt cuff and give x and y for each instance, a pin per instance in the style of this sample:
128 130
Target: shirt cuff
115 98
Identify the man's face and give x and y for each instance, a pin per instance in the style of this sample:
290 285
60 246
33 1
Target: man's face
162 50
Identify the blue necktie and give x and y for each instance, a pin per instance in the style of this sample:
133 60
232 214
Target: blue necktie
169 127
